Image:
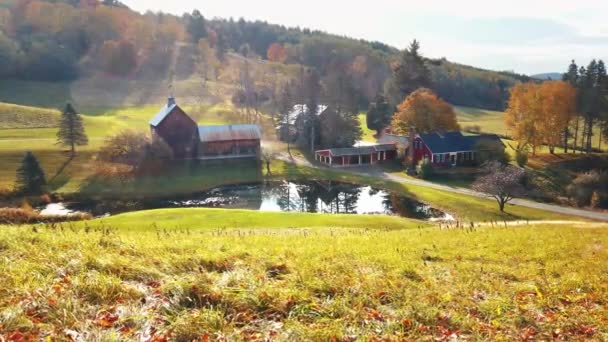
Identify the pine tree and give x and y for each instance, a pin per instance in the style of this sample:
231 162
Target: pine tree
412 72
571 76
197 27
71 130
30 176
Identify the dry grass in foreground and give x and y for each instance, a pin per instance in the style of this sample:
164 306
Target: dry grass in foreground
98 283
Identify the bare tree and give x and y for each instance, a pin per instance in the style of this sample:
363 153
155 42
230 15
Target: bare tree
268 155
501 182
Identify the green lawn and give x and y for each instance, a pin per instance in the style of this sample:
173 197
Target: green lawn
489 121
368 134
190 275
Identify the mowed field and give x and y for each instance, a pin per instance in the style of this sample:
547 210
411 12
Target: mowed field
184 275
34 129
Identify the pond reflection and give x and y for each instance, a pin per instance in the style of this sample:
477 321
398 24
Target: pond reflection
308 196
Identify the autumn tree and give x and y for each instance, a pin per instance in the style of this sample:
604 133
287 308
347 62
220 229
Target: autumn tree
276 53
539 114
118 58
379 114
426 112
501 182
30 176
71 130
558 105
522 116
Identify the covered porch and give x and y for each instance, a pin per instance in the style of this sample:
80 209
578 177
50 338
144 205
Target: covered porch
356 156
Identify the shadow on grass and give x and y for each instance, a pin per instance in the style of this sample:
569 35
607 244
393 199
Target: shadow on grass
179 178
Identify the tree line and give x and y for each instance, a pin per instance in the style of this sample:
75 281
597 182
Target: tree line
66 39
561 113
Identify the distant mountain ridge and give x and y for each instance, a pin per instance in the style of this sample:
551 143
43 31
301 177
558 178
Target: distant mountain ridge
548 76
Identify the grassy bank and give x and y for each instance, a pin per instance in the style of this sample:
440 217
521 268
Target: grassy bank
181 281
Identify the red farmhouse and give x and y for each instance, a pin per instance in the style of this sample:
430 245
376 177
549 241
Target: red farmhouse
451 148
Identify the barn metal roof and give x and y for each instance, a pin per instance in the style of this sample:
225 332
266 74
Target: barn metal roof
229 132
386 138
359 150
162 114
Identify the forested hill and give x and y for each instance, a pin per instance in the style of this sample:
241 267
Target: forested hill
65 40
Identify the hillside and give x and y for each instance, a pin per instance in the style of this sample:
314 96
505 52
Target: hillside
548 76
166 50
170 278
14 116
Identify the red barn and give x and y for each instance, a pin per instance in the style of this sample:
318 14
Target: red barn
177 129
189 141
355 156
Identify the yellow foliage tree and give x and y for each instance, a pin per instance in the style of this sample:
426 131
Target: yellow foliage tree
537 114
277 53
426 112
558 105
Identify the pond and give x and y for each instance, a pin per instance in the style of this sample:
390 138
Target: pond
310 196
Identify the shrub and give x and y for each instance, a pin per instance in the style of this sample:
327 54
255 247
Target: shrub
26 215
583 187
136 150
595 200
424 169
521 157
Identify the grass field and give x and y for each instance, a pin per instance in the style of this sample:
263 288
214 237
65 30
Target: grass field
186 275
368 134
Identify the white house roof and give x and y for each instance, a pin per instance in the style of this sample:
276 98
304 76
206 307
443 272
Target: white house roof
229 133
162 114
300 109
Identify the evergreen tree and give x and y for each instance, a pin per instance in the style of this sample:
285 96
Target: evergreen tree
412 72
71 130
197 27
379 114
30 176
571 76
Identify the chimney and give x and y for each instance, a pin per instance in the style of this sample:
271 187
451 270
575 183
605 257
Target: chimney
170 101
410 154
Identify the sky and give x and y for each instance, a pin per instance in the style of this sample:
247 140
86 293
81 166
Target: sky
524 36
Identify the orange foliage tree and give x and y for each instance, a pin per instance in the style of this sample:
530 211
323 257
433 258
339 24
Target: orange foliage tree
537 114
424 110
276 53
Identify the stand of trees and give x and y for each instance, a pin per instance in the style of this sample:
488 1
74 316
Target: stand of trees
591 84
538 114
58 40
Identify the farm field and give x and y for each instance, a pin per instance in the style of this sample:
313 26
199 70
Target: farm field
189 274
77 176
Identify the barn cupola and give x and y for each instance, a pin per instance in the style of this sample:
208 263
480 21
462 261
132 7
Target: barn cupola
170 101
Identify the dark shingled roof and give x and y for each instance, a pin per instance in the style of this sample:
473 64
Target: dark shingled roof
455 141
162 114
